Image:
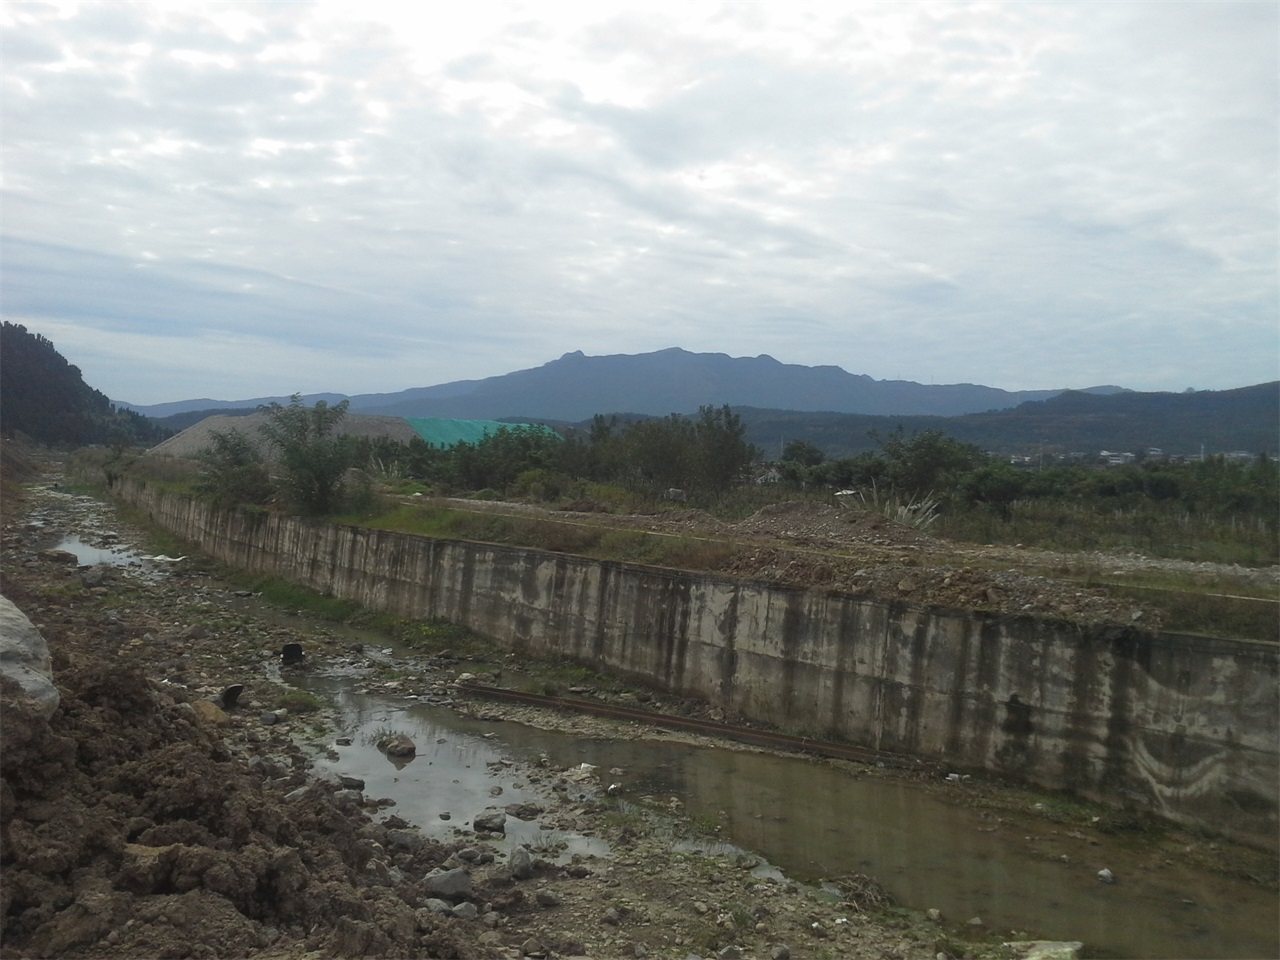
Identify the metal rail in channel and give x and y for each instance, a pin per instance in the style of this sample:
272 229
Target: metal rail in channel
750 735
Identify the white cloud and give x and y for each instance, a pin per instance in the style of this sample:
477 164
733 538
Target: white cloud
1018 194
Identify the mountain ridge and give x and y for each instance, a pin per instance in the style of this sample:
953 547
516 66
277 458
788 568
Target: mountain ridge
575 387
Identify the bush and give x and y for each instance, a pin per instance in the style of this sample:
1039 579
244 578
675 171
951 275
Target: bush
541 484
232 472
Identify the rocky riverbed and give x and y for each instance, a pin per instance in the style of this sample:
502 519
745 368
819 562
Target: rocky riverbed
149 816
156 813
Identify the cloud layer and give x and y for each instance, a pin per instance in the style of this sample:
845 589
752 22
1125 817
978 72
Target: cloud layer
234 200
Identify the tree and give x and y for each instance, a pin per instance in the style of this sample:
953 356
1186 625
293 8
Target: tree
996 484
721 455
803 452
45 397
312 461
927 462
233 471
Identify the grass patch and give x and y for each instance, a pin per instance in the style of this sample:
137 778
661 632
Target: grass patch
1240 618
437 632
384 736
300 702
282 593
1155 530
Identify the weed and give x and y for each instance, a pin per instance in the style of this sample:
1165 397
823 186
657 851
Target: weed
300 702
291 596
920 512
548 843
741 915
382 736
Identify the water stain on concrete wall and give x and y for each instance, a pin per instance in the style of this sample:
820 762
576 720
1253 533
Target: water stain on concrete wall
1185 727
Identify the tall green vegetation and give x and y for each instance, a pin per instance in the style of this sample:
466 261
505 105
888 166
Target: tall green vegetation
312 459
1218 508
310 462
44 397
233 471
703 456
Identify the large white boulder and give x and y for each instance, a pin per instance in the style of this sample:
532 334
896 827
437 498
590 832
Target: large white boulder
24 656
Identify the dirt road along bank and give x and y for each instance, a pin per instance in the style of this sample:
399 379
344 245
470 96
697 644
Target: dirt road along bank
145 820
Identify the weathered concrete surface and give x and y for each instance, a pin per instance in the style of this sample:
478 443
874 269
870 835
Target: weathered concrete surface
1183 726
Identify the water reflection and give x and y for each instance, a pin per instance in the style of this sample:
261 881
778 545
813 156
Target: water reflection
813 821
455 774
88 555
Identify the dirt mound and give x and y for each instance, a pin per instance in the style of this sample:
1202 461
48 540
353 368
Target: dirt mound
199 436
129 829
813 523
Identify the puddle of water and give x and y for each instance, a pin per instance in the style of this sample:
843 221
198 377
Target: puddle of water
811 822
88 555
457 770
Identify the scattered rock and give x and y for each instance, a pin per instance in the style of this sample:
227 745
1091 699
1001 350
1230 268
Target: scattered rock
24 658
491 821
397 745
520 861
1046 949
211 714
449 883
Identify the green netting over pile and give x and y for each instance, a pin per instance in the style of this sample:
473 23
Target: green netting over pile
440 432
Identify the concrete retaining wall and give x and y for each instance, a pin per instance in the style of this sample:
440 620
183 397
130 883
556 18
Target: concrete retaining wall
1183 726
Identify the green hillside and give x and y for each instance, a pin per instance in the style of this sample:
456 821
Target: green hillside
45 398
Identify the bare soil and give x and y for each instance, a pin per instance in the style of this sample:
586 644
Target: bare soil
810 544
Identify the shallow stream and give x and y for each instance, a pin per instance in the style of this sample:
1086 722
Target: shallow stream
813 821
810 820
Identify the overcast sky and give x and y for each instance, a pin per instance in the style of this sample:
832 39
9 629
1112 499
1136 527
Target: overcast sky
240 200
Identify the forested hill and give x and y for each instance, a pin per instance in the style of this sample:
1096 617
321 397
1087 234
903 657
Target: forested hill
1217 421
45 398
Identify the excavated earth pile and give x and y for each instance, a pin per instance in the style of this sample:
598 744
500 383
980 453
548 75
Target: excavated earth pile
130 829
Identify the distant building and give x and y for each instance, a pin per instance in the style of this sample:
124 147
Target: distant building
1112 458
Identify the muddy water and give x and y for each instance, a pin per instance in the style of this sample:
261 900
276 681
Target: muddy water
814 821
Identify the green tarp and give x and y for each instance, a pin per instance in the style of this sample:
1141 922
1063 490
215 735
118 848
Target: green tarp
440 432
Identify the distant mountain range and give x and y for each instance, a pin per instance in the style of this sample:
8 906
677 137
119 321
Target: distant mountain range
835 410
1182 424
577 387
